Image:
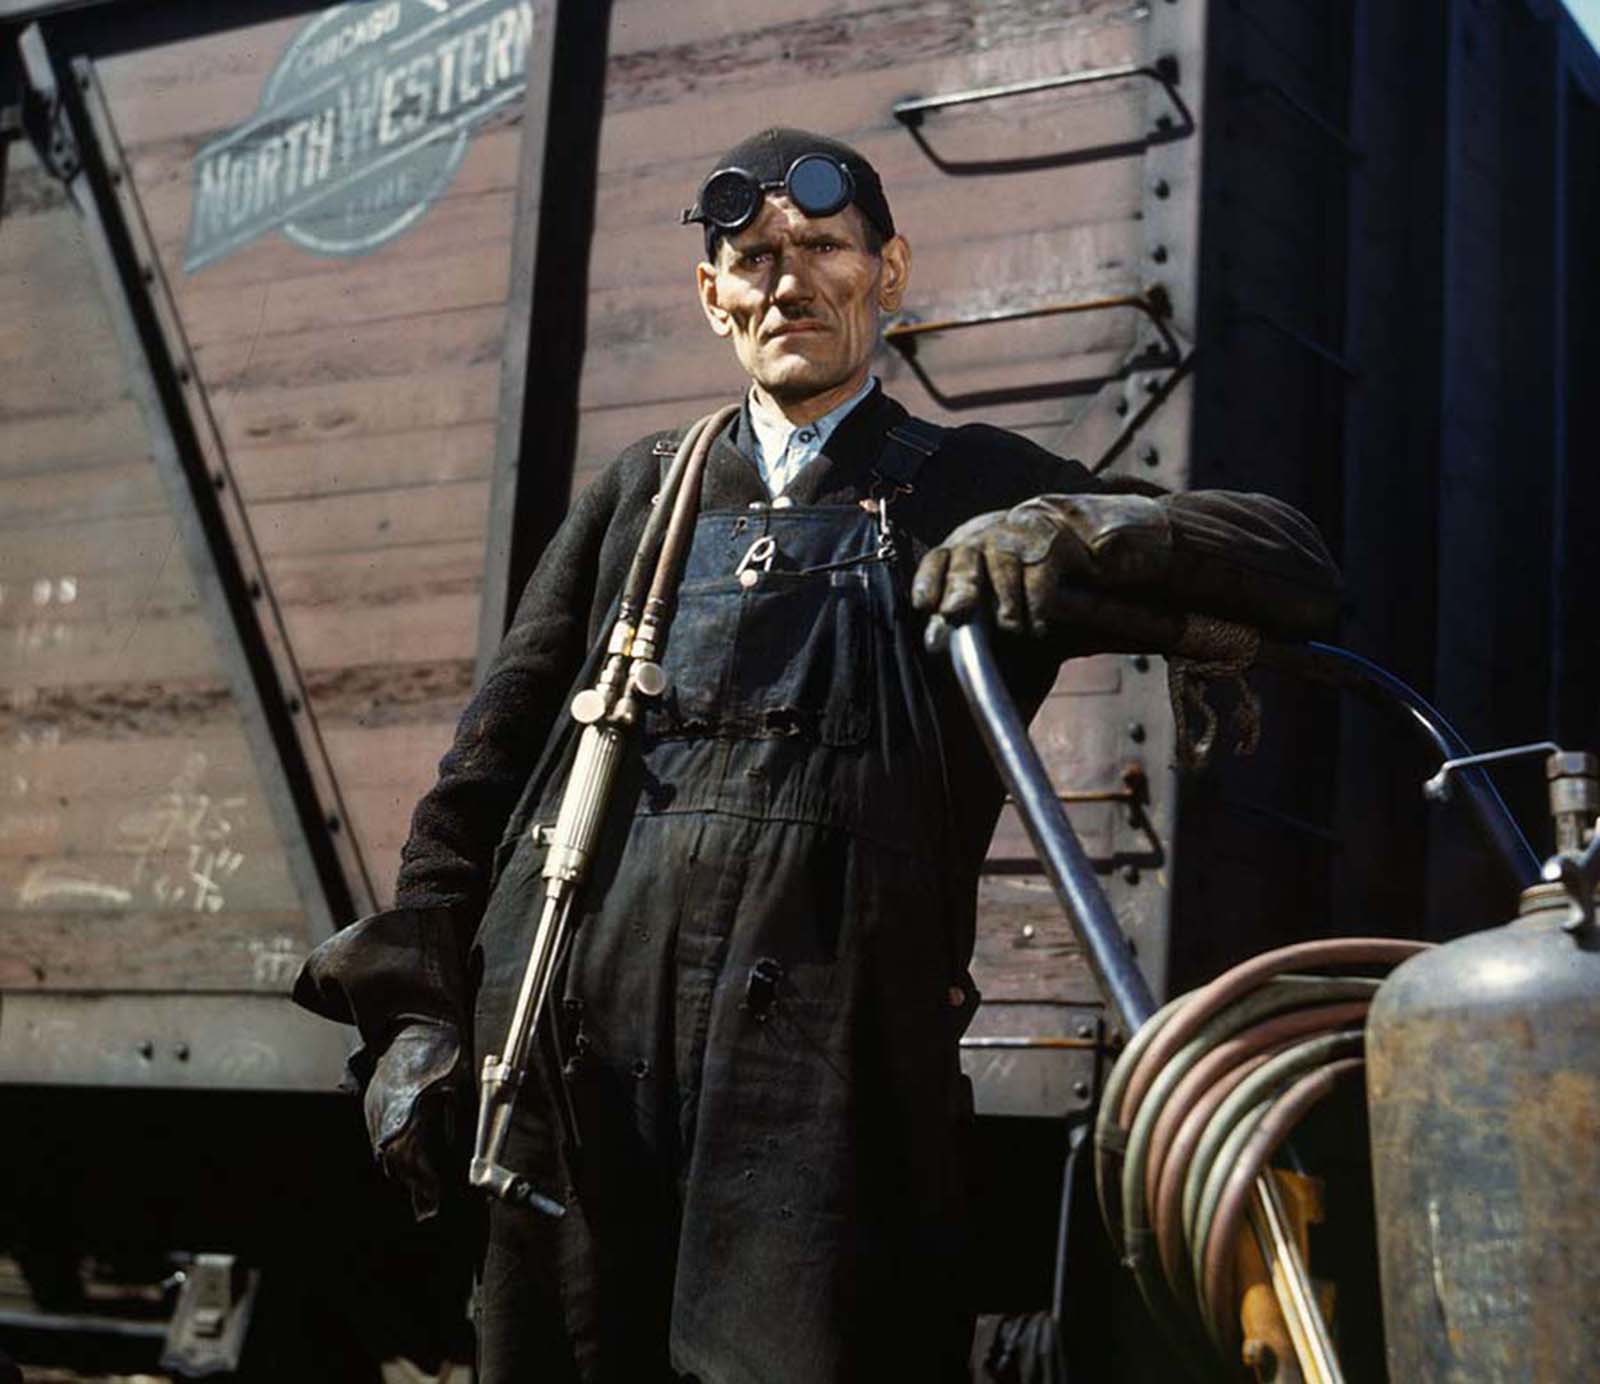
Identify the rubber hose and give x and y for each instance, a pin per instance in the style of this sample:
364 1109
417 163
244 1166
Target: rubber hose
1280 994
1238 1135
1110 1141
1189 1345
643 566
1206 1175
1262 1042
1226 1055
1167 1222
685 510
1139 1245
1232 1207
1189 1095
1202 1003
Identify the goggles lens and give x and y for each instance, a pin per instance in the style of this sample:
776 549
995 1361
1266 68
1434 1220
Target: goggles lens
730 199
816 183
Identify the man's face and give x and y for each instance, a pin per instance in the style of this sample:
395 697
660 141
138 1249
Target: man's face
800 298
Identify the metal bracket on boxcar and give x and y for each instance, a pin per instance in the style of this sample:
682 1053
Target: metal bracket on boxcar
1027 1057
43 118
206 1335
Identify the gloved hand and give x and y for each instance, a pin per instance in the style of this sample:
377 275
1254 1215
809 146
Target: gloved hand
1120 571
398 976
1029 556
417 1089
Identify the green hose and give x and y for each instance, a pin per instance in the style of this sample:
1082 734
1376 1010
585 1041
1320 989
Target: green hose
1236 1121
1177 1299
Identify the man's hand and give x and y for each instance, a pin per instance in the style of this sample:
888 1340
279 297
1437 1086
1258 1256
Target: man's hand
411 1104
1030 558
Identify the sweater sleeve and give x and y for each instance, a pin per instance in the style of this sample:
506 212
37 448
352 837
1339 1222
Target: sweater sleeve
409 962
456 825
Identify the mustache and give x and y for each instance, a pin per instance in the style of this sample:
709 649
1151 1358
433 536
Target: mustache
788 321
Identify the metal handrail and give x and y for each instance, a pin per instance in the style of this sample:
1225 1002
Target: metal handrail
1026 779
1164 72
1149 304
1109 953
1153 304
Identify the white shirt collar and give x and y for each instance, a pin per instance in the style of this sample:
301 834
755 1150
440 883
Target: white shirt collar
782 449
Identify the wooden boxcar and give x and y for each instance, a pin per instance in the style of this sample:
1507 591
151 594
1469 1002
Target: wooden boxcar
313 320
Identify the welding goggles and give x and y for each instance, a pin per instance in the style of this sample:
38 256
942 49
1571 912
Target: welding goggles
818 184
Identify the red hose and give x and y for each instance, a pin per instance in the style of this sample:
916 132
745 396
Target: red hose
1230 985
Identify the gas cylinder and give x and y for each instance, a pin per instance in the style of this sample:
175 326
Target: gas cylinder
1483 1087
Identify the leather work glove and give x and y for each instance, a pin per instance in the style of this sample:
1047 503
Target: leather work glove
412 1104
1026 556
1118 571
399 977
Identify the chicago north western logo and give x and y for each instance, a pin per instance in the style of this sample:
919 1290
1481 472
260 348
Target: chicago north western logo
362 124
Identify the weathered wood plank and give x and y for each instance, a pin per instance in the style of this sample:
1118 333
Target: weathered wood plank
416 572
125 487
47 495
85 950
268 414
362 292
61 587
414 345
65 437
1025 948
72 729
639 24
203 878
393 403
179 645
1005 41
362 522
347 465
73 358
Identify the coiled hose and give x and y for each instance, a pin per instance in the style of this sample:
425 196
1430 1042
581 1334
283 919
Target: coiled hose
1198 1102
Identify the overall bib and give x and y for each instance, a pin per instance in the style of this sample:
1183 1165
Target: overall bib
755 1056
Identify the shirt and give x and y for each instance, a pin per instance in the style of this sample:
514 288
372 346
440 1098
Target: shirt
782 449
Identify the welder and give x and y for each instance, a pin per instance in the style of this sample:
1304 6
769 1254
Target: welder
749 1099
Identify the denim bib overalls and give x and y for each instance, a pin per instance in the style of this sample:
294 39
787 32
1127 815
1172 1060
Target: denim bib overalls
755 1055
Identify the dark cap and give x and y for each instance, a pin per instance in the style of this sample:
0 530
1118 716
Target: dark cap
767 157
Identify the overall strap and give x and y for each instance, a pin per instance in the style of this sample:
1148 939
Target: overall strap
909 444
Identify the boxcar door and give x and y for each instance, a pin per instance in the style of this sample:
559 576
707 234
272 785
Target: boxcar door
256 286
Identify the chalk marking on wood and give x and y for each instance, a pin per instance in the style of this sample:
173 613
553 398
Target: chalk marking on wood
52 882
274 960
